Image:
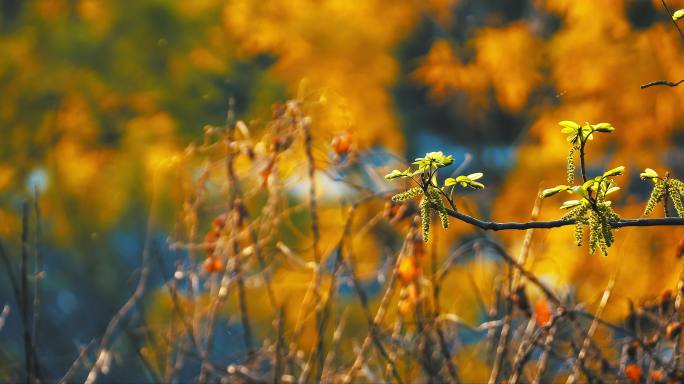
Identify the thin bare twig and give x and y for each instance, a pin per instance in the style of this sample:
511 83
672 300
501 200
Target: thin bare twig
661 82
137 295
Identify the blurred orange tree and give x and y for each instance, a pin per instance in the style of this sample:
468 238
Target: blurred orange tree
100 98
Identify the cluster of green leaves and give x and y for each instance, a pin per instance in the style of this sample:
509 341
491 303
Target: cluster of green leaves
578 135
662 187
423 174
592 210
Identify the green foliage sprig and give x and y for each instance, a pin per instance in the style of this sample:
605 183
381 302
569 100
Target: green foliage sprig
592 210
663 187
424 176
578 135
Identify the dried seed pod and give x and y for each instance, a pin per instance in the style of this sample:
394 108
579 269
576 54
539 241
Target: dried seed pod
672 330
666 301
519 297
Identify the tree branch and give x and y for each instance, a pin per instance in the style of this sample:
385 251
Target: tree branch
662 82
497 226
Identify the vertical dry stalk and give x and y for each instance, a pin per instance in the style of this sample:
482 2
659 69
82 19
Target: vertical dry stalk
441 338
29 347
590 333
231 269
677 315
38 273
315 234
372 336
103 349
502 346
515 284
524 349
544 358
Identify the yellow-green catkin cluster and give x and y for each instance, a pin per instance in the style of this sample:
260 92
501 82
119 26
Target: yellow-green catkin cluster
577 212
432 199
600 229
436 199
656 197
425 218
600 222
571 165
408 194
675 190
579 232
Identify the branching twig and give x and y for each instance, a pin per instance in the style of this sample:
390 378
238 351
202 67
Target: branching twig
662 82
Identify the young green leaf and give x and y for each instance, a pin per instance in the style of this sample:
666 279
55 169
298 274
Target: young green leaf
568 126
397 174
466 181
603 127
581 189
552 191
570 204
614 172
648 173
678 14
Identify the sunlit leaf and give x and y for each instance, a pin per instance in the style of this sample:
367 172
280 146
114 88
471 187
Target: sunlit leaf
648 173
603 127
614 172
552 191
580 190
568 124
570 204
678 14
397 174
612 189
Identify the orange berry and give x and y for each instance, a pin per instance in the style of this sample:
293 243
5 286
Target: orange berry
342 143
657 375
405 307
408 269
633 373
213 264
542 312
